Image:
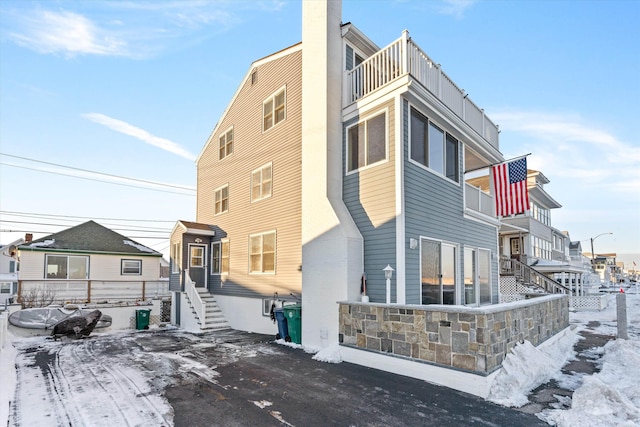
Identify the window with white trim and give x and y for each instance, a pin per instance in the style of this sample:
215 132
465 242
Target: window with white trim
67 267
261 183
220 257
196 258
226 144
176 257
433 147
262 252
273 110
221 200
131 267
367 142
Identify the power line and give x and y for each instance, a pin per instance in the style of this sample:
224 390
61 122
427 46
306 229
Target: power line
82 217
97 180
181 187
146 229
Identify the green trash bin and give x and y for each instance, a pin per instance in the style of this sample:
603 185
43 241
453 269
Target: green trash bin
142 319
293 313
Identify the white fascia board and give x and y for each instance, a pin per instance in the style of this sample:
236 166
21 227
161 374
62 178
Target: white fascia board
254 65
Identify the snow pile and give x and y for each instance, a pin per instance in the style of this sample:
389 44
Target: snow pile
8 375
527 367
610 397
329 354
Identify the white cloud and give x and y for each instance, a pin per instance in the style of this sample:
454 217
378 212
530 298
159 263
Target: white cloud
567 146
455 8
141 134
66 33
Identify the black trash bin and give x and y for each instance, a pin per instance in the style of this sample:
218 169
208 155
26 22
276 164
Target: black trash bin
283 330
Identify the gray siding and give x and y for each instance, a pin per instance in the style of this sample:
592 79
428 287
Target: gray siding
253 148
434 208
370 197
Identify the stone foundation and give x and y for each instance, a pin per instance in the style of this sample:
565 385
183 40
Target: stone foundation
469 339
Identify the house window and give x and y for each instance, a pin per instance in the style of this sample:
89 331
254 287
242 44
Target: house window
434 148
221 200
367 142
261 183
131 267
197 256
220 257
6 287
254 77
67 267
226 144
484 276
273 110
176 257
262 252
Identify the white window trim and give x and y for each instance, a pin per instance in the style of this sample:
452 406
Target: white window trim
275 254
272 97
87 266
176 253
125 260
262 197
221 272
215 199
204 255
226 143
459 281
446 132
370 116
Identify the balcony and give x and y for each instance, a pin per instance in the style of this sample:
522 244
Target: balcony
479 201
403 57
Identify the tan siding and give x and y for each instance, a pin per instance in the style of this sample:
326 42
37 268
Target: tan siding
281 145
101 267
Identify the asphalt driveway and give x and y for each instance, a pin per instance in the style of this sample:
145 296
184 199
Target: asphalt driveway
226 378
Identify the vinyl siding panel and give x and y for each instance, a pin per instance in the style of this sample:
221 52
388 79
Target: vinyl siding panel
253 148
369 194
101 267
434 208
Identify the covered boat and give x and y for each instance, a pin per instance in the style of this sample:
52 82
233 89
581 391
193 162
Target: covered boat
47 317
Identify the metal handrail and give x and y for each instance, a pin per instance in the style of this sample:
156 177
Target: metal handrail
530 276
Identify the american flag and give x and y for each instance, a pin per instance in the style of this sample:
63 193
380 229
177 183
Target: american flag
510 186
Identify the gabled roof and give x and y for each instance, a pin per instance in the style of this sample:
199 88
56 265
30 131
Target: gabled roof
194 228
89 237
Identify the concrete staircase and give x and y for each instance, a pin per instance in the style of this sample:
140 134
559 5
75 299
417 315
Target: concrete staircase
213 318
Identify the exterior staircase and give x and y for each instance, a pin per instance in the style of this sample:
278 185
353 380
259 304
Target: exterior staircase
204 307
529 278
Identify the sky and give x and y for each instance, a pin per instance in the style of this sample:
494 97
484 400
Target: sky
610 397
105 105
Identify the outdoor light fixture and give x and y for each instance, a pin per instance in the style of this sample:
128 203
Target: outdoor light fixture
388 273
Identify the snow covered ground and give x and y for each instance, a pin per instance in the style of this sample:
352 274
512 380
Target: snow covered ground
610 397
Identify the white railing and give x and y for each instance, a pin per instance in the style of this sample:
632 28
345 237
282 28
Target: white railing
478 200
198 305
405 57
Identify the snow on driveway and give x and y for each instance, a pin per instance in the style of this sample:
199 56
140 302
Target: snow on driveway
109 379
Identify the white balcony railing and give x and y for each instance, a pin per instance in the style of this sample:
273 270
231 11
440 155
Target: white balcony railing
478 200
405 57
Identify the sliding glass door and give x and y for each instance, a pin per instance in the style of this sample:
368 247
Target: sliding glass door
438 265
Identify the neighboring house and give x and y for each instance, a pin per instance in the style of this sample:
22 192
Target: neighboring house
334 159
529 236
89 263
606 267
9 270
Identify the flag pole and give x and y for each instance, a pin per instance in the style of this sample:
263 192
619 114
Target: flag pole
498 163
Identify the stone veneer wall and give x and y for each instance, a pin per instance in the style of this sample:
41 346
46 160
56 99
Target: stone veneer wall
466 338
